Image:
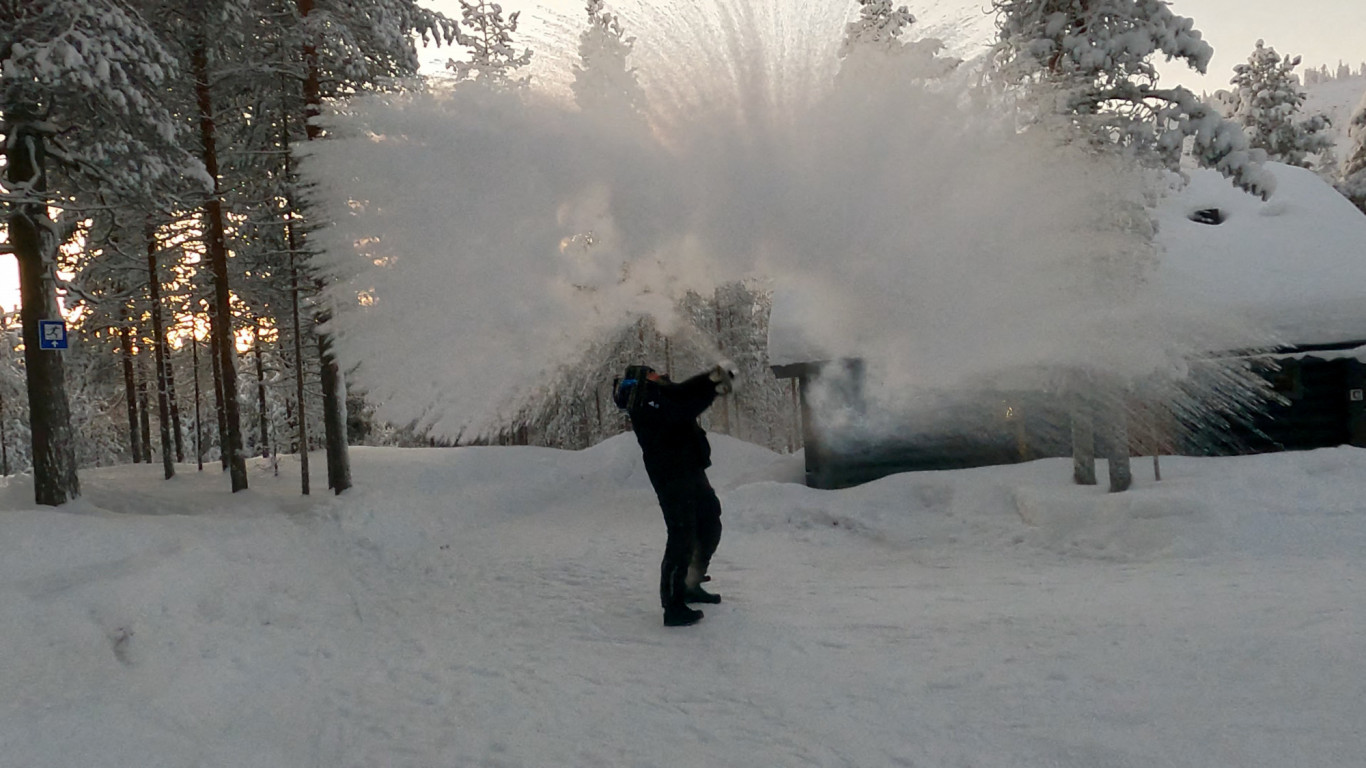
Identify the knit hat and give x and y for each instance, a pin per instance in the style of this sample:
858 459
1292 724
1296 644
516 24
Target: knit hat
625 390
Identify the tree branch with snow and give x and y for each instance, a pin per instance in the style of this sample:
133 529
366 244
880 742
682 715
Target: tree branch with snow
1090 63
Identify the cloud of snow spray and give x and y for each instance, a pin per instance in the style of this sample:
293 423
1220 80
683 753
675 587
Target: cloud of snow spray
490 237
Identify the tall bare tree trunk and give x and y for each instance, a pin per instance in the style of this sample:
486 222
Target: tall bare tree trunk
174 401
53 441
334 385
298 363
263 419
218 265
4 442
159 352
130 384
334 416
219 410
144 411
177 430
291 238
1121 472
198 422
1083 438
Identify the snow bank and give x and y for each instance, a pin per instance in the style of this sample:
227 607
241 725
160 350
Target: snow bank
1202 507
498 607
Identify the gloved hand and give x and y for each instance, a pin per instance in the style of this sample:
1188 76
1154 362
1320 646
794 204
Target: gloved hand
723 374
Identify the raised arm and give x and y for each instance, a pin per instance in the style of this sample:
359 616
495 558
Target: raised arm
683 401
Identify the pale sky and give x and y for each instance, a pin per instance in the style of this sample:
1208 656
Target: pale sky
1321 31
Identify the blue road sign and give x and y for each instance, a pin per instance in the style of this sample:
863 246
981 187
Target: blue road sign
52 334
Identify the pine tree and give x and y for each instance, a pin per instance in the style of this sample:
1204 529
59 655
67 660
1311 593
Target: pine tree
493 58
14 423
1086 69
604 81
1266 99
358 44
879 25
1090 62
253 65
81 85
1353 182
874 41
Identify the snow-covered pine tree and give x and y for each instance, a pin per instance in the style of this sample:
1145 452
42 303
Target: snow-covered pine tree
362 43
96 404
879 25
494 59
271 66
14 423
117 300
1266 100
1091 62
255 68
81 85
604 81
357 45
213 38
574 407
874 41
760 410
1085 69
1353 181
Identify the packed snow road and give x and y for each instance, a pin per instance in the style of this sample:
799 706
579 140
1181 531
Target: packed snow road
498 607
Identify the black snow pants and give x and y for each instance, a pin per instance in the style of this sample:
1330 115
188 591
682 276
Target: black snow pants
692 514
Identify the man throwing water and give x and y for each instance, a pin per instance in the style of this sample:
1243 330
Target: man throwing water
676 452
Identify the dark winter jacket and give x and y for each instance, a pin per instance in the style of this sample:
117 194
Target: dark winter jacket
664 418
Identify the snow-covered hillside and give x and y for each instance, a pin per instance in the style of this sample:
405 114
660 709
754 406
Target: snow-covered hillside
497 607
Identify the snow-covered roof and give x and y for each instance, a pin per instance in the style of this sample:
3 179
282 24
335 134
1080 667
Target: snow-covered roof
1294 267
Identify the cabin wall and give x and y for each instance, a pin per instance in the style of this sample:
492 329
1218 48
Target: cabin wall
988 428
1327 407
1319 412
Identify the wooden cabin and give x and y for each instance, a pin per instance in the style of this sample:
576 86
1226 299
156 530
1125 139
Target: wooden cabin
1292 268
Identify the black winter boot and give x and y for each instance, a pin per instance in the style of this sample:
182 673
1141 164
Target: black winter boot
699 595
681 616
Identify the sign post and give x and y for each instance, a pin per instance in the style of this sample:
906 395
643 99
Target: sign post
52 334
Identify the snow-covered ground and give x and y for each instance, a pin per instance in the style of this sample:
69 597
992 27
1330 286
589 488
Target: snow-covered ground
498 607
